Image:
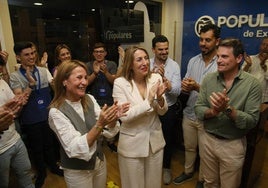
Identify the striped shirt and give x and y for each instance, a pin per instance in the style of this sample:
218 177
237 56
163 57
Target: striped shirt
173 74
197 70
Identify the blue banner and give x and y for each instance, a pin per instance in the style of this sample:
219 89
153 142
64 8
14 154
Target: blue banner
243 19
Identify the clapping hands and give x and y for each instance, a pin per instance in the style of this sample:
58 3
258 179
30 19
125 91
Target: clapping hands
109 115
188 85
247 59
32 81
9 110
219 101
156 91
159 69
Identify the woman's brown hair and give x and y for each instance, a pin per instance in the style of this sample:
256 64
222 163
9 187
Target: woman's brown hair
64 71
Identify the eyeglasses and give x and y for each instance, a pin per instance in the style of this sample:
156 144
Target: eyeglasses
99 51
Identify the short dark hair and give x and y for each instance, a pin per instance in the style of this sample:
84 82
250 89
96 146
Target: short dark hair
159 38
19 46
236 44
99 45
216 30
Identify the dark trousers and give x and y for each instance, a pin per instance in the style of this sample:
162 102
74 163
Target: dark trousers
40 142
170 131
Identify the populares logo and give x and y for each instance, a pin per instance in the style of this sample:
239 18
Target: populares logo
252 25
203 20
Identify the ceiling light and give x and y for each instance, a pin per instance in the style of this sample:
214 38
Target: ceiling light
38 4
129 1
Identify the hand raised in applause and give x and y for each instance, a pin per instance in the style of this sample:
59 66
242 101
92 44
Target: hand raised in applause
188 85
6 118
156 91
263 57
43 60
160 69
108 115
8 112
96 67
121 52
219 101
122 109
167 83
103 68
4 56
31 80
247 59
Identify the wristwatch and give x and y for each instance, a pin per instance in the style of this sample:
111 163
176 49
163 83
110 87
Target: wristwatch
228 110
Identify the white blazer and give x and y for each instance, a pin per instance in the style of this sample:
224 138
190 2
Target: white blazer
141 128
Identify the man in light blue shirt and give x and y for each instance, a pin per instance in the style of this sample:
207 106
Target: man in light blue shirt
170 72
198 67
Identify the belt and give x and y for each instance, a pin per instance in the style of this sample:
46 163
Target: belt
218 136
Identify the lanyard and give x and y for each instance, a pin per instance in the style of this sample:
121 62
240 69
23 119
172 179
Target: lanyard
35 70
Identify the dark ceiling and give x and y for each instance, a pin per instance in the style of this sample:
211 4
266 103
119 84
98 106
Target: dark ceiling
70 9
69 21
74 4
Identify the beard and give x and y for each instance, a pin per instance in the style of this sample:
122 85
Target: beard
163 57
207 51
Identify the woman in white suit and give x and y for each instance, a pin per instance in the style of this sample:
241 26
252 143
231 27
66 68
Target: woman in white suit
141 142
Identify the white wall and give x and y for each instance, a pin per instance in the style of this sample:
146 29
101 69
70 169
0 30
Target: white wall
172 26
6 36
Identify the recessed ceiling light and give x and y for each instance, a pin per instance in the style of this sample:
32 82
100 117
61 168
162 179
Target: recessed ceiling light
38 4
93 10
129 1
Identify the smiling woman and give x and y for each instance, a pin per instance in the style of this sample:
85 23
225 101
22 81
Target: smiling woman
78 122
141 141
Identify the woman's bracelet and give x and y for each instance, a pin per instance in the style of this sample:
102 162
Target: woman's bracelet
99 128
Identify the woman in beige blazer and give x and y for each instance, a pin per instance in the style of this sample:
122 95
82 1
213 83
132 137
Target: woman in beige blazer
141 142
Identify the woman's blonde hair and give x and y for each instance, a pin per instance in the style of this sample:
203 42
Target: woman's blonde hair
127 70
64 71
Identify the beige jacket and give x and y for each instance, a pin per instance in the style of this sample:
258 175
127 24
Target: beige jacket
141 128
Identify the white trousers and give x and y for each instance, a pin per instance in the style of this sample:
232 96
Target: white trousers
87 178
142 172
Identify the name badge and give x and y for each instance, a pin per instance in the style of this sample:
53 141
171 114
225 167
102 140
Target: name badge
102 92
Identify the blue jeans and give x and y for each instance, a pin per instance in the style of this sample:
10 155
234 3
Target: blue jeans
17 158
